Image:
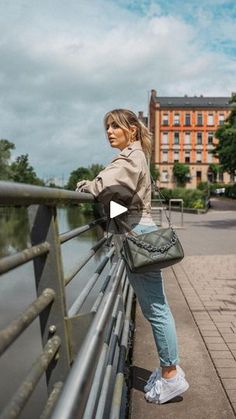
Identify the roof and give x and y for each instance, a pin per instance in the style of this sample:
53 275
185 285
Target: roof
193 102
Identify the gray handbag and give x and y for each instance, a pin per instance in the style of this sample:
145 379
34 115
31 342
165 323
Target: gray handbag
152 251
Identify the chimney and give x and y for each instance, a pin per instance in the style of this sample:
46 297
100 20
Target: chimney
153 93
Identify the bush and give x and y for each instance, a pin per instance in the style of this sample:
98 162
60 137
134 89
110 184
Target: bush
193 198
230 191
202 186
214 186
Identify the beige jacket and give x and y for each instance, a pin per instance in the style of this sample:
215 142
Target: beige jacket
125 180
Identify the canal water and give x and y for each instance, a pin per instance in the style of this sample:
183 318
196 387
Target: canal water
17 290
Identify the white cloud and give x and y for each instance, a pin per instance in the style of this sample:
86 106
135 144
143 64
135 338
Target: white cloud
63 65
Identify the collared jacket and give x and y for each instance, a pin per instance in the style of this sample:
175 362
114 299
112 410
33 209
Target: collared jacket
125 180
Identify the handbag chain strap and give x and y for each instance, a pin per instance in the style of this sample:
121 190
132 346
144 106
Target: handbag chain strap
150 248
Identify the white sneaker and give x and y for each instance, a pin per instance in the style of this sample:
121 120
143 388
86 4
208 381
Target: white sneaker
164 390
157 375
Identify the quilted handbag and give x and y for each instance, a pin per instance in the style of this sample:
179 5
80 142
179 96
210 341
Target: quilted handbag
154 250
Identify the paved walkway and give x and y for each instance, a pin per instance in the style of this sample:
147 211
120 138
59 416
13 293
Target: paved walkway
202 294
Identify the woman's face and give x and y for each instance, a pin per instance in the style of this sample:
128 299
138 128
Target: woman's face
117 137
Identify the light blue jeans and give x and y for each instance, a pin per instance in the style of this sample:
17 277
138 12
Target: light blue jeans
149 290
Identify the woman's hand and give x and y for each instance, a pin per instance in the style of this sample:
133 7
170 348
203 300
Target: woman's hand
80 185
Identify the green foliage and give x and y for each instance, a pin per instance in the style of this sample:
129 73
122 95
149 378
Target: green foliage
23 172
215 168
5 155
181 173
18 171
202 186
83 173
193 198
225 150
154 171
94 169
230 191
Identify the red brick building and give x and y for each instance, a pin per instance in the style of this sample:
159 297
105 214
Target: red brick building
183 131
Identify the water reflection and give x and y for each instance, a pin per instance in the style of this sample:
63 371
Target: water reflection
14 230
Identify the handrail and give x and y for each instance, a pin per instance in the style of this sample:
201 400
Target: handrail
27 387
76 388
73 340
15 328
13 193
10 262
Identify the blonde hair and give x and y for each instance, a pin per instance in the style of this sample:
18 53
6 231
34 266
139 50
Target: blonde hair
125 118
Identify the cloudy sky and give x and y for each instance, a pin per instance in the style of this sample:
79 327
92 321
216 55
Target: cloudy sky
65 63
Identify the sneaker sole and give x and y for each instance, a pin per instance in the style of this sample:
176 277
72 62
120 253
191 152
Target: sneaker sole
148 387
175 394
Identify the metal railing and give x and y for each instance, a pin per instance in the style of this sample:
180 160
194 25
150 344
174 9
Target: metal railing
84 354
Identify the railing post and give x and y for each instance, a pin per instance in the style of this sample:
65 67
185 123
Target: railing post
49 274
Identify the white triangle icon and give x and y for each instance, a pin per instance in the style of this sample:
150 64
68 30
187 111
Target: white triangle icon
116 209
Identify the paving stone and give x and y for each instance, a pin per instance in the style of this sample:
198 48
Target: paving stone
229 337
232 345
216 346
228 363
229 383
213 339
221 354
227 372
206 333
207 327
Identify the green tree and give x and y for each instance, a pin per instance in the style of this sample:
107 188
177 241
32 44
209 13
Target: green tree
181 173
22 171
5 155
76 175
154 171
225 150
95 169
83 173
215 169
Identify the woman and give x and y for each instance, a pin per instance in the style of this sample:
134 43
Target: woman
126 179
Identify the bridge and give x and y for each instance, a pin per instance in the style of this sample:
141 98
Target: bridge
94 363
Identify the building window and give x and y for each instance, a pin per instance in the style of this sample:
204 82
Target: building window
164 138
165 119
176 156
199 138
221 119
209 158
176 119
210 137
187 156
165 156
187 138
210 119
176 137
199 157
164 176
187 119
221 177
199 119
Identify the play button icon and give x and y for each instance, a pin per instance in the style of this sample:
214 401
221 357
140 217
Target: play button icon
116 209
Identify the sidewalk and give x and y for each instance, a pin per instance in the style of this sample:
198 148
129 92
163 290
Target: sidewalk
202 294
